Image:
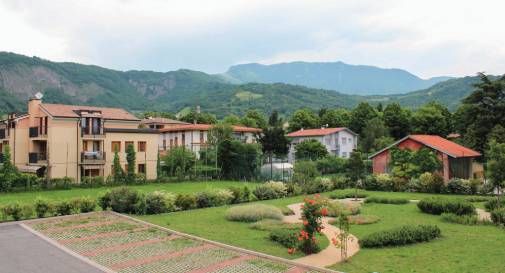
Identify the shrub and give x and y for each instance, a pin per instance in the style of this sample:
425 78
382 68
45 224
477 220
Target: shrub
331 164
438 206
185 201
461 219
253 213
370 183
269 224
203 200
92 182
340 181
237 195
123 200
14 210
264 193
319 184
279 187
475 185
478 198
385 200
498 216
59 183
221 197
348 195
363 219
85 204
42 207
293 189
459 186
385 181
63 208
287 211
285 237
430 183
304 172
26 211
492 204
400 236
336 209
104 200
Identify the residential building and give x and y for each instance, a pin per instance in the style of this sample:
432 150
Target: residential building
75 141
338 141
457 161
195 136
160 123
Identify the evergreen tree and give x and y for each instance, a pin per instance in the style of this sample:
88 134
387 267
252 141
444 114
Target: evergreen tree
397 120
360 115
159 171
117 171
130 159
355 170
496 166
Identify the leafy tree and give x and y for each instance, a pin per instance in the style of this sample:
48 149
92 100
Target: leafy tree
496 166
397 120
274 143
219 133
310 150
426 160
130 159
8 172
159 171
303 118
360 115
179 162
238 160
254 118
402 164
336 118
117 171
383 142
374 130
355 170
274 120
232 120
304 172
203 118
481 111
497 134
432 119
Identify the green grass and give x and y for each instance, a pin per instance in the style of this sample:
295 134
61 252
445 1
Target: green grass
210 223
182 187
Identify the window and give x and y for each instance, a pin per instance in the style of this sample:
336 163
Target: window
128 143
349 140
116 146
142 168
141 146
344 140
183 140
202 140
164 144
176 142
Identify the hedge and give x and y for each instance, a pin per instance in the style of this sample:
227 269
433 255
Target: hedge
385 200
403 235
438 206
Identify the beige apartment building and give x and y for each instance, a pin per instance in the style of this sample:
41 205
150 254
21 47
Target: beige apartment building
75 141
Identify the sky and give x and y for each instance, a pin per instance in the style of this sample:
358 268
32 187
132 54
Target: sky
428 38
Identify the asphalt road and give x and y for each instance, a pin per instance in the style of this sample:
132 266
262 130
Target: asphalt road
23 252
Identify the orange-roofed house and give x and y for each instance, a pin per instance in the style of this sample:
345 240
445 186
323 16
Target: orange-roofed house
458 161
194 136
58 140
338 141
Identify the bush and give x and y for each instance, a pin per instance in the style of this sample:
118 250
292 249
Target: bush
14 210
253 213
319 184
385 200
185 201
459 186
431 183
287 211
400 236
104 200
269 224
42 207
370 183
438 206
59 183
85 204
498 216
271 190
340 181
331 164
160 202
92 182
63 208
363 219
336 209
237 195
478 198
461 219
27 211
221 197
286 237
492 204
304 172
123 200
293 189
350 194
385 181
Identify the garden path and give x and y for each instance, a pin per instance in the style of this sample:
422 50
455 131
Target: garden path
331 254
483 215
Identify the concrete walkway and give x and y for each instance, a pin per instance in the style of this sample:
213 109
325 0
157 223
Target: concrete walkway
22 251
483 215
331 254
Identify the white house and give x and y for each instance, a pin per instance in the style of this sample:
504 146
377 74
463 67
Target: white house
338 141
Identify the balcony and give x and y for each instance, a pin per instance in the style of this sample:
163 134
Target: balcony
92 133
37 132
37 158
96 157
3 134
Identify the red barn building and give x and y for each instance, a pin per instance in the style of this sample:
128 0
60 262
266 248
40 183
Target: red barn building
458 161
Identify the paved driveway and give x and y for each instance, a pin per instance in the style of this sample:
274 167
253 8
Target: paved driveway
22 251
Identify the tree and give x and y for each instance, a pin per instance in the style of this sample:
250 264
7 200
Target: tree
179 162
310 150
238 160
8 172
355 170
117 171
397 120
497 134
426 160
481 111
496 167
274 120
360 115
254 118
274 142
336 118
219 133
159 171
203 118
432 119
130 159
303 118
374 130
232 120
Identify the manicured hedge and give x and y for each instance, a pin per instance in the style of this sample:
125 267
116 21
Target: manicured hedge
285 237
400 236
385 200
438 206
253 213
470 220
492 204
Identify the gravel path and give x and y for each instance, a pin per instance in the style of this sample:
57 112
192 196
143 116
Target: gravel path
483 215
331 254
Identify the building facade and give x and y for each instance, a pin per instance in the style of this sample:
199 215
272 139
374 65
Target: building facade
76 141
338 141
457 160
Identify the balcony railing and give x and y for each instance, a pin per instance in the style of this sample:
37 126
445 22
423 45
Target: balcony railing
37 132
96 132
96 157
3 134
34 158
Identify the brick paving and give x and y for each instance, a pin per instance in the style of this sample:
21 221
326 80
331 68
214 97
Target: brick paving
123 244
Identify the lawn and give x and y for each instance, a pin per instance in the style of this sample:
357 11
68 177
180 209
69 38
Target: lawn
181 187
461 249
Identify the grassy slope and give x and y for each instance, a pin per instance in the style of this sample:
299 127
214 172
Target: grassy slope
184 187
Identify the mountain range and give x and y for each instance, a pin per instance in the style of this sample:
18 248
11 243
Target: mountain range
72 83
339 76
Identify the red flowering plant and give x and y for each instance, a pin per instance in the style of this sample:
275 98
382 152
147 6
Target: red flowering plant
312 213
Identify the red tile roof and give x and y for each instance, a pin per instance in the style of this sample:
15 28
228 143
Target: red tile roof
316 132
69 111
438 143
162 121
206 127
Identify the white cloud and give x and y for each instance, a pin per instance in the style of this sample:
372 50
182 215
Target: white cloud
428 38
